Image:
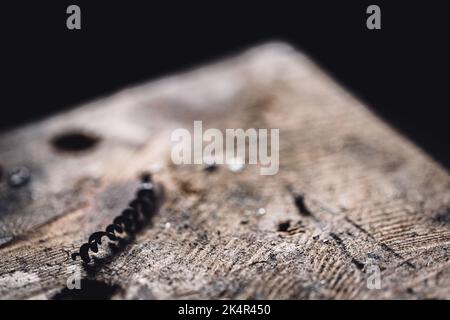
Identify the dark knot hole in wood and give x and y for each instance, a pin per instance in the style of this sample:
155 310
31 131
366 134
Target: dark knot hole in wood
75 141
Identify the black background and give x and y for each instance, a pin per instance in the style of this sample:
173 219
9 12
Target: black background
401 71
280 309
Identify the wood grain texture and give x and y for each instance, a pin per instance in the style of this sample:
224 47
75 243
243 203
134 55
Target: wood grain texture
373 197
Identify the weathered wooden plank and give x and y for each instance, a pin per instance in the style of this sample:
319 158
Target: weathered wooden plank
371 199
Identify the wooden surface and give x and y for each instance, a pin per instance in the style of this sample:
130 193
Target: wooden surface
372 198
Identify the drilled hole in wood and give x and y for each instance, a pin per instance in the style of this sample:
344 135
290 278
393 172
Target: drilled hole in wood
88 290
443 217
284 226
74 141
210 167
